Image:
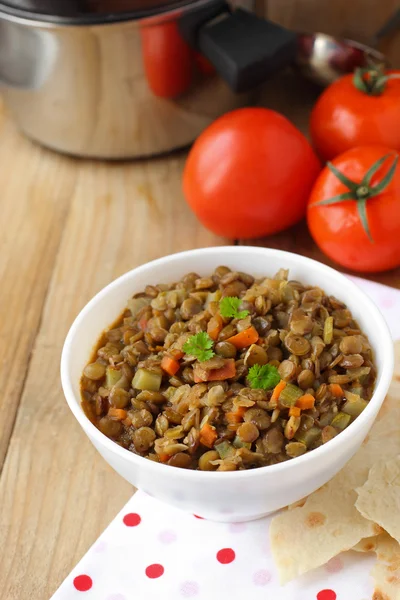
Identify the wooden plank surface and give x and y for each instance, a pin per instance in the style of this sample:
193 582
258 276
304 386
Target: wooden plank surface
33 208
353 19
56 493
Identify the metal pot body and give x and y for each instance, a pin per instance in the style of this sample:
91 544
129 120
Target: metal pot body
119 90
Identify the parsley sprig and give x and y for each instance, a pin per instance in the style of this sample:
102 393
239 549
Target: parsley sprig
229 308
264 377
199 345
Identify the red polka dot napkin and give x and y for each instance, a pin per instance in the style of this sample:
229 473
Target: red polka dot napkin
152 551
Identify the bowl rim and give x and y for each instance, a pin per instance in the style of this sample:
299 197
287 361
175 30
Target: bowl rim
158 468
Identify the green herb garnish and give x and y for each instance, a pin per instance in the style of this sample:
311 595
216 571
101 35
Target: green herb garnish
199 345
229 308
263 377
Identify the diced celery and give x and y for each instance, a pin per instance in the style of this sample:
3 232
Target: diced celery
354 405
225 449
113 375
341 420
326 418
146 380
357 390
289 395
308 437
362 374
237 442
169 392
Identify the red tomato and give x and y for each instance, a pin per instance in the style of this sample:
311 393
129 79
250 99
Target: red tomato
167 59
345 117
338 228
249 174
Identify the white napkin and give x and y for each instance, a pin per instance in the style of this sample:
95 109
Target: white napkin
152 551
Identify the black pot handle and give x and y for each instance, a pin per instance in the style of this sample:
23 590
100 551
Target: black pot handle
244 49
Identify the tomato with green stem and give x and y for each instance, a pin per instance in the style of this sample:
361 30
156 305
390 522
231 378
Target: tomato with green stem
354 209
357 110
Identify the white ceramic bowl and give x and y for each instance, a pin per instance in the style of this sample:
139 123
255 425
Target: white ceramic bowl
240 495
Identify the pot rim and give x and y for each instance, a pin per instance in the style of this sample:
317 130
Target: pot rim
149 16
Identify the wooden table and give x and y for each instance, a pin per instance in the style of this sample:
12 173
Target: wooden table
68 227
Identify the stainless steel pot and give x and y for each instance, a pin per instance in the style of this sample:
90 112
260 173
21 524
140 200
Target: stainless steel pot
130 78
108 84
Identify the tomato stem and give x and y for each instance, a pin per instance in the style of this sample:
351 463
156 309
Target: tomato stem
372 80
363 191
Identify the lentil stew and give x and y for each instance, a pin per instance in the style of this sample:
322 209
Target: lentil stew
228 372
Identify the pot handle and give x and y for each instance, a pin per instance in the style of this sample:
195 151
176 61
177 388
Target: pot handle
391 25
244 49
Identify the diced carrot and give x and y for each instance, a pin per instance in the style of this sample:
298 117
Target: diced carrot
336 390
225 372
294 411
117 414
176 354
236 416
215 324
164 457
208 435
143 322
170 365
245 338
277 390
305 402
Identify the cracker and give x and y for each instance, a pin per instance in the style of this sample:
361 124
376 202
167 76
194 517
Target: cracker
309 535
379 497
